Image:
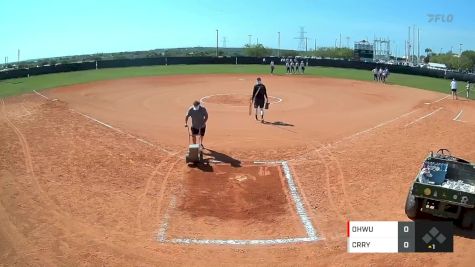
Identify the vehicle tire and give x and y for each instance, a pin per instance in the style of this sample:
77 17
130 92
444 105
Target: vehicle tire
412 206
468 219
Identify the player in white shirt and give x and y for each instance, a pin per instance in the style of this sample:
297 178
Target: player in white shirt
375 74
380 74
302 67
453 88
468 86
384 75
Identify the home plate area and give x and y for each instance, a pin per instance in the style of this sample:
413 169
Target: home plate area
251 204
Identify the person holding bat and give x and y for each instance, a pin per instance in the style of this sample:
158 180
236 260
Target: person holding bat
259 99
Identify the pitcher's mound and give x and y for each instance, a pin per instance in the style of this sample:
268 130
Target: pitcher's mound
233 99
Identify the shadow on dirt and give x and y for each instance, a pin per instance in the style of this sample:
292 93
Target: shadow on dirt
278 123
203 166
221 157
212 155
465 233
281 125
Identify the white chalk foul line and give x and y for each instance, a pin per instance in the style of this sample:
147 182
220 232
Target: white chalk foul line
162 233
440 99
270 97
298 203
304 218
98 121
241 242
122 132
45 97
355 135
423 117
458 115
114 128
373 128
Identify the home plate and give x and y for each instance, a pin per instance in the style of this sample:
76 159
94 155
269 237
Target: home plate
251 202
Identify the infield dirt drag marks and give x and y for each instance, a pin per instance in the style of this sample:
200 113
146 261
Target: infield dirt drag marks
65 204
108 185
149 196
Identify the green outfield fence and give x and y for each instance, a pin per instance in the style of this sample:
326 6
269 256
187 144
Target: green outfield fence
119 63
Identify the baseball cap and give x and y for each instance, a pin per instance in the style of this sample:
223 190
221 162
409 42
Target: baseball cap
196 103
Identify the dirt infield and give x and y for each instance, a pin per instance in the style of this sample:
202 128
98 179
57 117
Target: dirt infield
94 174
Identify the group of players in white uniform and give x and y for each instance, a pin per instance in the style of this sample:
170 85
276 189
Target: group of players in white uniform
293 66
380 74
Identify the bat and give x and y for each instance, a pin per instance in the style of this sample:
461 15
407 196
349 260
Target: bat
250 108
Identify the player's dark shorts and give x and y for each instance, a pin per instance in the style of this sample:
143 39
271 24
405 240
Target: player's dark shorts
259 103
201 132
454 90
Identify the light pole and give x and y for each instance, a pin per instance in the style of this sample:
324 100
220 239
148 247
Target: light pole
460 54
278 44
250 37
216 43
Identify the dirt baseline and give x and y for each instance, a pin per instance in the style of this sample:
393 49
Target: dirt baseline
88 179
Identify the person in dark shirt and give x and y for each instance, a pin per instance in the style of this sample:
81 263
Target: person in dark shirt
259 98
199 117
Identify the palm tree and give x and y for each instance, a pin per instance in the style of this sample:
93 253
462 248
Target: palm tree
428 50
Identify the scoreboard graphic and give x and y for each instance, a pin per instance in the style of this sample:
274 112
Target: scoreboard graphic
395 237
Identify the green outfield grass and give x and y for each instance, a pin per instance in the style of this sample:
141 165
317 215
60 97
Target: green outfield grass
41 82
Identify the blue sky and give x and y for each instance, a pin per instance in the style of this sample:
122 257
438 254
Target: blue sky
56 28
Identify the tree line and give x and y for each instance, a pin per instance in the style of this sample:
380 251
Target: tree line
465 61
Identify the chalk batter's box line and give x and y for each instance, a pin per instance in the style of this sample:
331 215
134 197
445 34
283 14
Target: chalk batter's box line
299 206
